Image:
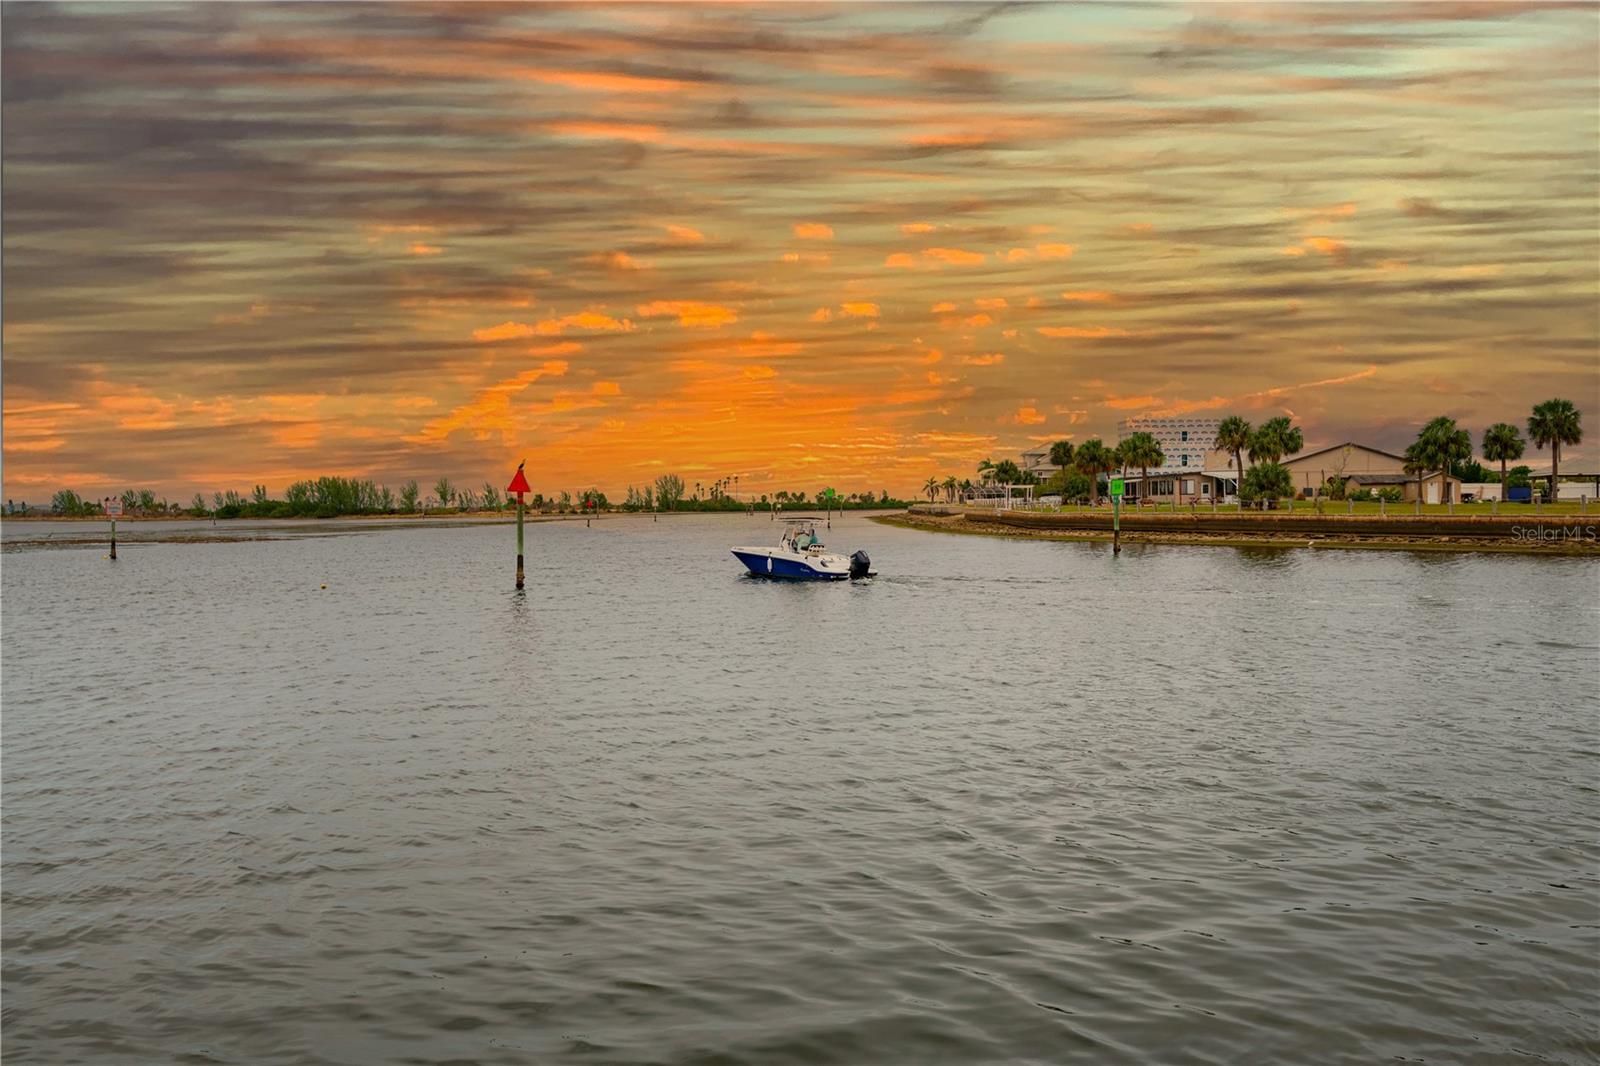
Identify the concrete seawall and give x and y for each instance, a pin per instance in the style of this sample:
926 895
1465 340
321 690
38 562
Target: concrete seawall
1525 531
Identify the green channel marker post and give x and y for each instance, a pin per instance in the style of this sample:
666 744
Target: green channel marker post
1116 515
519 485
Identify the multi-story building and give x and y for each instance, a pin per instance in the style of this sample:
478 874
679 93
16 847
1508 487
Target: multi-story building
1186 442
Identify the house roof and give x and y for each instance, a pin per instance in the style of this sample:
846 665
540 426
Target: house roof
1337 447
1391 479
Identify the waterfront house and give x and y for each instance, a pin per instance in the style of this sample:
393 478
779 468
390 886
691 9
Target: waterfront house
1362 467
1036 461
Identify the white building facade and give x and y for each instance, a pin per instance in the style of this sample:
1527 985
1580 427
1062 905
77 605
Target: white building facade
1186 442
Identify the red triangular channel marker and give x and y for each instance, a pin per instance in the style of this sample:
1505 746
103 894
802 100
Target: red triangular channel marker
518 483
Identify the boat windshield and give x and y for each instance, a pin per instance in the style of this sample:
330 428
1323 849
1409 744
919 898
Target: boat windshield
799 535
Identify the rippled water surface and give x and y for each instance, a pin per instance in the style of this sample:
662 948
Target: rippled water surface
1007 802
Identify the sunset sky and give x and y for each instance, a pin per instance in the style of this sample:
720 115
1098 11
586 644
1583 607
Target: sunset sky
845 245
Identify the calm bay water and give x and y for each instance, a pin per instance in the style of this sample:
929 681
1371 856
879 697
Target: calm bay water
1007 802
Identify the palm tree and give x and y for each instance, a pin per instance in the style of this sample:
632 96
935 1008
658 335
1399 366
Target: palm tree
1267 483
950 488
1061 454
931 487
1233 436
1554 423
1274 439
1093 459
1438 445
1143 451
1502 441
985 469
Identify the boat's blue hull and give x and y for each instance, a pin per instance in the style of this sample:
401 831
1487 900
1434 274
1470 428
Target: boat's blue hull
764 565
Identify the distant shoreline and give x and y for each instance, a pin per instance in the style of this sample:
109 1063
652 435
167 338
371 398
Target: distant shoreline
1397 538
505 516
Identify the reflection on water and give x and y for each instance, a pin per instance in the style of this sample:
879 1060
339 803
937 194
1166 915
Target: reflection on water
1009 802
1271 560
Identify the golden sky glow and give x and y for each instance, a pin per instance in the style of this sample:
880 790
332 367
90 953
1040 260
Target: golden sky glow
846 245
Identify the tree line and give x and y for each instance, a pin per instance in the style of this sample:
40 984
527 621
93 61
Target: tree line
669 492
332 497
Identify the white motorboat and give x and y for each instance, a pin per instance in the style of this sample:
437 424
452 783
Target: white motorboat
800 554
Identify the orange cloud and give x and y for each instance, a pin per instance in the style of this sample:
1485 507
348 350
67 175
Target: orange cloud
595 321
620 261
912 228
1018 255
943 307
1054 251
1336 250
1255 399
859 310
690 313
822 314
977 321
504 331
957 256
986 359
1088 297
1329 247
768 346
934 258
606 388
641 132
997 303
1082 331
137 409
298 435
1129 403
599 81
813 231
685 234
1027 416
490 410
424 249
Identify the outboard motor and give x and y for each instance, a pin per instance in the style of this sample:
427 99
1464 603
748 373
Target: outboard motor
859 564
